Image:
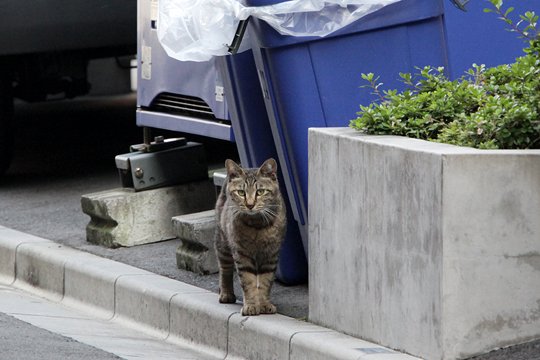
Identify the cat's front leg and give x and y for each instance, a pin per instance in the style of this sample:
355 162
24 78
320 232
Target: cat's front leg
248 280
265 285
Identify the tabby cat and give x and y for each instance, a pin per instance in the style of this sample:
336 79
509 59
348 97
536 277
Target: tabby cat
251 226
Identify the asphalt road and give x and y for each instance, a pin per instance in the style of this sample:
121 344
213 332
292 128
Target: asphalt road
23 341
66 149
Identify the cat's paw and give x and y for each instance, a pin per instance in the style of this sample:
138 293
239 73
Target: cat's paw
227 298
250 310
268 308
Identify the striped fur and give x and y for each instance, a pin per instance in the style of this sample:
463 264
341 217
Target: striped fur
251 226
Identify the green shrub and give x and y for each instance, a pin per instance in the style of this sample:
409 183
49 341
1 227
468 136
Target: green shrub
487 108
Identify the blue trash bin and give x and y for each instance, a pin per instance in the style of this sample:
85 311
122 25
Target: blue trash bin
314 82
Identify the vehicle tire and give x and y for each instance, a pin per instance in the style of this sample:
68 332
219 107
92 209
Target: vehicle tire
6 125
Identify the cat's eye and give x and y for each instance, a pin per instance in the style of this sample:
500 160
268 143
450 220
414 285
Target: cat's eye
261 192
241 192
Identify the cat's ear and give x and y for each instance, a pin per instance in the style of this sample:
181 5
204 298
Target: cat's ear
269 169
233 169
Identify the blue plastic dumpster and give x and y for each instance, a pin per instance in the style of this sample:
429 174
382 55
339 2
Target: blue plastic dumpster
314 82
221 99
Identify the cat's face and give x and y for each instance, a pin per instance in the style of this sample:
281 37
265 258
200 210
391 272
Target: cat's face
253 191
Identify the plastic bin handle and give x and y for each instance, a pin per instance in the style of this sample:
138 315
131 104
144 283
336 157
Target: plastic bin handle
238 36
460 4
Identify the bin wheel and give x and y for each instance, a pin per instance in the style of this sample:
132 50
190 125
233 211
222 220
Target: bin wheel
6 126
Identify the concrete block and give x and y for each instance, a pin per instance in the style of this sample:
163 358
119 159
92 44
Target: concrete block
196 252
10 240
143 301
89 283
123 217
264 337
429 235
200 322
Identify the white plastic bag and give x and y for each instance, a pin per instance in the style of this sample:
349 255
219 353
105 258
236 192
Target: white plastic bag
196 30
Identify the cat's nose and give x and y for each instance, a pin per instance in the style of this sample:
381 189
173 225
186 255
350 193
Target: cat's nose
250 206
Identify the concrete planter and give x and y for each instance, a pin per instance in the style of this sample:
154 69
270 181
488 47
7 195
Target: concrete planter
428 248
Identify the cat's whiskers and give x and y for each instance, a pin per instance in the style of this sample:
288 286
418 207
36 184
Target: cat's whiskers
268 215
270 212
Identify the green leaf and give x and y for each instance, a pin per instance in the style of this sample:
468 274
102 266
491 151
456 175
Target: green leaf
368 77
496 3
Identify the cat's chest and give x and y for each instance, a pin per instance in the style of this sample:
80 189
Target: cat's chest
252 234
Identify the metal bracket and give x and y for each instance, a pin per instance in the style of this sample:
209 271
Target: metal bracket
159 143
142 170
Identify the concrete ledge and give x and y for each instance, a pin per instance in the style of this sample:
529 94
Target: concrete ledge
90 283
332 345
9 241
246 333
164 307
145 300
40 268
200 322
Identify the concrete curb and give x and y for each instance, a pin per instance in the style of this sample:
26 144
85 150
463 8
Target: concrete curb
167 308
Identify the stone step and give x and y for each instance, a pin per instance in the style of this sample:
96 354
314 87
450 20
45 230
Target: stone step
123 217
196 232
